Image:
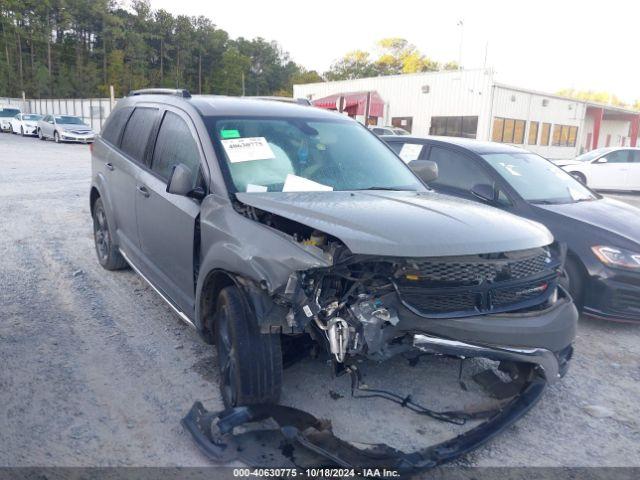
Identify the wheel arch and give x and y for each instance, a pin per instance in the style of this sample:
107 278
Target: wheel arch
212 285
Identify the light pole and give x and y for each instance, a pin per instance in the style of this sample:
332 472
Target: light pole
461 25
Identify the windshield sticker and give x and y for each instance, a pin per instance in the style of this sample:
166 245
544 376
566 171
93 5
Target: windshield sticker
252 188
293 183
247 149
410 151
229 134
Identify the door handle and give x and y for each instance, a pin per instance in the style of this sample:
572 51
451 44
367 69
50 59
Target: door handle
142 190
109 166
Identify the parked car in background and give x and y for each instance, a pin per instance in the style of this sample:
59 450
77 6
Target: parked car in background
602 235
388 130
611 168
25 124
6 114
65 128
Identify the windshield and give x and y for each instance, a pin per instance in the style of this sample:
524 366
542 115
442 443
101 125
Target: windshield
592 155
537 180
9 112
66 120
31 118
296 154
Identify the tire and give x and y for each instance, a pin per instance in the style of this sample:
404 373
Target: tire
250 362
11 131
22 131
56 137
579 176
573 281
108 254
41 136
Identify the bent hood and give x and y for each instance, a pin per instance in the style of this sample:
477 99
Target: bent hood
607 214
405 224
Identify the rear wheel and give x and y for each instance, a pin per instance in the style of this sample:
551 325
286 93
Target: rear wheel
250 362
580 177
108 254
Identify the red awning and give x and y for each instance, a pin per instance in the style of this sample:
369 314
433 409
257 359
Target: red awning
354 103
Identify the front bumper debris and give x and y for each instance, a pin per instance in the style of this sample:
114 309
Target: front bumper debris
300 440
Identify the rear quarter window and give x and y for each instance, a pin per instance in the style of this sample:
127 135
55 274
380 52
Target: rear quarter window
136 133
115 124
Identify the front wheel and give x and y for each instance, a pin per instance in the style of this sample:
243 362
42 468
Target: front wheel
579 176
40 135
56 137
250 362
573 281
22 131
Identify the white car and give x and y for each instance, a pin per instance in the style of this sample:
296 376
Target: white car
6 114
25 124
65 128
611 168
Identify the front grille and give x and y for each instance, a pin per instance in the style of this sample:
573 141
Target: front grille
476 284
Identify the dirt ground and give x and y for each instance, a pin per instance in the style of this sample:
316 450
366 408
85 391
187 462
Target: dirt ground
95 370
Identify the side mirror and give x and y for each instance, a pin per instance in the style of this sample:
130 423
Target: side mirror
181 183
602 160
484 192
427 170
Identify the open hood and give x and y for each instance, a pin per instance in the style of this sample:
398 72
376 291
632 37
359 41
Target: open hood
405 224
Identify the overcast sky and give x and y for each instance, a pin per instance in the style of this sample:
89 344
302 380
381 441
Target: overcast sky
539 44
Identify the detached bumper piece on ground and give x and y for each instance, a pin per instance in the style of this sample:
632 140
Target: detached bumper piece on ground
264 436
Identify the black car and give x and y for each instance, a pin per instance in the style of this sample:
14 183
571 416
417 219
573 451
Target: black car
602 234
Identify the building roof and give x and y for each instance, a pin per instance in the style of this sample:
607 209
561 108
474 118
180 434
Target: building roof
476 146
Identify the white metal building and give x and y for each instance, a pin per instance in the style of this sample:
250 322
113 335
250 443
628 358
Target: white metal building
472 104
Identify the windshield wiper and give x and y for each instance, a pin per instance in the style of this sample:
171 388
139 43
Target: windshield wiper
390 189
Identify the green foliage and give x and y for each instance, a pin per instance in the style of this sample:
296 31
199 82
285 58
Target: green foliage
65 48
592 96
395 56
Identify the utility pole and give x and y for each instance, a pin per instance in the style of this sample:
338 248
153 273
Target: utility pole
461 25
243 84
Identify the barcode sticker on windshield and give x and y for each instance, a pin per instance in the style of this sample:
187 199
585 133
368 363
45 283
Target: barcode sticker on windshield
247 149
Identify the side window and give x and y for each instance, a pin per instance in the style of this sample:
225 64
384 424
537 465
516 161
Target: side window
457 171
407 151
136 133
635 156
113 128
618 156
175 145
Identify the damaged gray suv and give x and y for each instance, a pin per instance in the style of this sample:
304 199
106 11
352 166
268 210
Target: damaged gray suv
262 222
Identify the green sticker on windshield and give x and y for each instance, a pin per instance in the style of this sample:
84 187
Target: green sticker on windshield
229 134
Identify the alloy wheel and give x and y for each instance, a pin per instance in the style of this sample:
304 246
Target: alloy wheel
226 357
101 234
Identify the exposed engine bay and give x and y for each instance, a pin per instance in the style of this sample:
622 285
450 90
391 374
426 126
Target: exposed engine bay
374 306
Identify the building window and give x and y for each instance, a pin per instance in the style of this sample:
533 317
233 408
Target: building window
406 123
508 130
564 136
466 127
518 134
546 132
533 133
498 128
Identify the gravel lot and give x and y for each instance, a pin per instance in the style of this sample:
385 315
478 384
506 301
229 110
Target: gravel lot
97 371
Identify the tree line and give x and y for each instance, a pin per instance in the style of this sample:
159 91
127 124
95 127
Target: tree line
77 48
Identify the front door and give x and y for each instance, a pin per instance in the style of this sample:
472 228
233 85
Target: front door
612 174
166 222
634 171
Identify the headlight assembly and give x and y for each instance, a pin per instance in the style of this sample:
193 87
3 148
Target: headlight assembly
617 257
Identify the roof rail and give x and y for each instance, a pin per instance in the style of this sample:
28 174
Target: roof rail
180 92
299 101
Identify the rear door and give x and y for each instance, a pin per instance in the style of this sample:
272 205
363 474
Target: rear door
166 222
634 171
612 174
122 167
